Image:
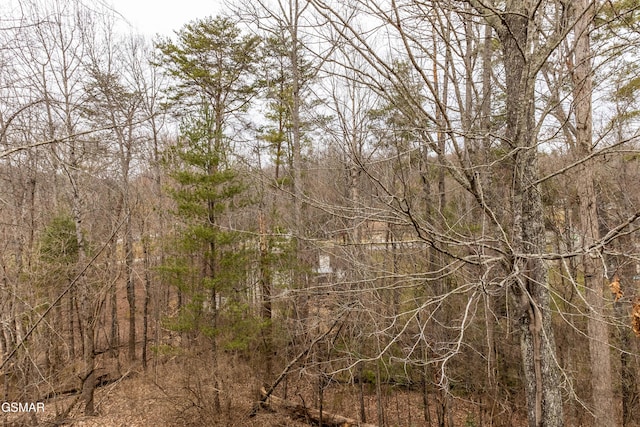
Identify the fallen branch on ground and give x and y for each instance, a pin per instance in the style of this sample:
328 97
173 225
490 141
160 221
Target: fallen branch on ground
312 414
290 366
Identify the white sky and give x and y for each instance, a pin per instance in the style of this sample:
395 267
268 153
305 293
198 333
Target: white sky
150 17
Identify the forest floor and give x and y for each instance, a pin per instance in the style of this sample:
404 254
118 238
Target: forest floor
182 393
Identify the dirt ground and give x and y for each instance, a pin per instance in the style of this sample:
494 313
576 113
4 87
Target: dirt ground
183 393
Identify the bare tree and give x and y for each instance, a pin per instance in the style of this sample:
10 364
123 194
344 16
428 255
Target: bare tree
115 100
52 64
518 219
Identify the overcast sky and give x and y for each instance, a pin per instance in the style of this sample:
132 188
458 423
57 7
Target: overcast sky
150 17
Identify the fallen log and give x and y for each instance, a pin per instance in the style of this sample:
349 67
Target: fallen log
101 381
311 414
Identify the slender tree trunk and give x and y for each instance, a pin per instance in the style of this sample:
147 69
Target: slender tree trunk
115 332
581 73
88 374
363 412
426 412
131 291
379 397
86 308
296 145
266 285
147 300
7 347
70 322
628 370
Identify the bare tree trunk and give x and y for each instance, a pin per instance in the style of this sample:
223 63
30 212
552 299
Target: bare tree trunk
362 410
298 192
115 331
379 397
86 309
147 300
131 290
266 285
71 331
542 378
7 347
628 370
88 357
581 73
426 412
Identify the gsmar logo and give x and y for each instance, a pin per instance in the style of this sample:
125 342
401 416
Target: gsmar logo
22 407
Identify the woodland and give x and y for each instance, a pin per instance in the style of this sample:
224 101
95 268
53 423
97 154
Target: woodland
322 212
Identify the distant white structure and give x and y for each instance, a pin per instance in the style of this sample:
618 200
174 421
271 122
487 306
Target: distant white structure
324 264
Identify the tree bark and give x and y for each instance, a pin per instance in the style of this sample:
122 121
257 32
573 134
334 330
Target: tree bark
542 378
128 262
581 74
147 299
86 308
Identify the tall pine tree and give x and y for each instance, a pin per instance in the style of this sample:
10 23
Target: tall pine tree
213 65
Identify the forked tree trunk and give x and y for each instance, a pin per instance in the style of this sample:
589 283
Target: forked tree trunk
542 377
